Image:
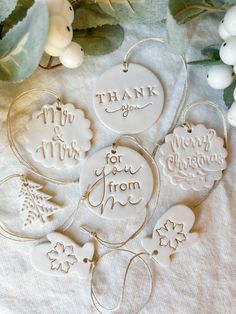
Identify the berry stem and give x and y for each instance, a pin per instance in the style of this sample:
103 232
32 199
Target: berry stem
49 66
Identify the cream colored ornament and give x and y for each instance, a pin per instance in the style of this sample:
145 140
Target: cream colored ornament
117 183
37 206
60 256
193 157
128 101
58 136
171 234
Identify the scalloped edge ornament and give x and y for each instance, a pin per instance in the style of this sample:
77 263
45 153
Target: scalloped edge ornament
193 158
62 135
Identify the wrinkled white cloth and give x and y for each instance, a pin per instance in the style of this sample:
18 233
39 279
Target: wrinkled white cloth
199 280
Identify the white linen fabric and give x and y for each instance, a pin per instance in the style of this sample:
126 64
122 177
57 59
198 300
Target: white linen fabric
199 280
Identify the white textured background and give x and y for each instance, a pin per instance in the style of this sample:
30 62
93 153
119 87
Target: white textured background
200 280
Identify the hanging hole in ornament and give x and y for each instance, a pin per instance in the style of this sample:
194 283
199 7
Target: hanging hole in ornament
189 130
85 260
113 150
125 66
155 252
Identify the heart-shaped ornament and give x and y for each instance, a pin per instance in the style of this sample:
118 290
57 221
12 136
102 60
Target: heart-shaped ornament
171 234
60 256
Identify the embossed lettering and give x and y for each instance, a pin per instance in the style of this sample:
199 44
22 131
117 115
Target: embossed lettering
50 114
105 185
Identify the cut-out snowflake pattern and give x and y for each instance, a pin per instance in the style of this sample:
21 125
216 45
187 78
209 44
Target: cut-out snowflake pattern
62 257
36 203
172 234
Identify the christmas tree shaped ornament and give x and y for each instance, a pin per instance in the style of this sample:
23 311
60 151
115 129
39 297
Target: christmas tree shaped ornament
193 156
117 182
129 98
58 136
36 204
171 234
58 255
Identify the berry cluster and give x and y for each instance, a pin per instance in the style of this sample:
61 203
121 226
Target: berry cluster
59 42
221 76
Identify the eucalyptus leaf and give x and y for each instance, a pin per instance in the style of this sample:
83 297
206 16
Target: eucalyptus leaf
230 2
212 52
184 11
205 62
91 15
22 47
6 7
100 40
135 11
17 15
229 94
177 35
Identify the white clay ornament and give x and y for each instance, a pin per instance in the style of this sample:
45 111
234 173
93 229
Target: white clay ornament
171 234
193 158
117 184
58 255
37 205
220 76
128 102
58 136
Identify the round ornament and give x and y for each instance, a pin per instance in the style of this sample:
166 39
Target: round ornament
117 183
128 101
193 157
58 136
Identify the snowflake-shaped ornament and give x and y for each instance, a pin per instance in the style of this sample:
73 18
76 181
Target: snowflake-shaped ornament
60 256
171 234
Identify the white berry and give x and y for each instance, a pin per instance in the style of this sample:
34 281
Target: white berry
220 76
73 56
222 31
232 114
235 94
54 6
228 51
67 11
60 32
230 20
53 51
